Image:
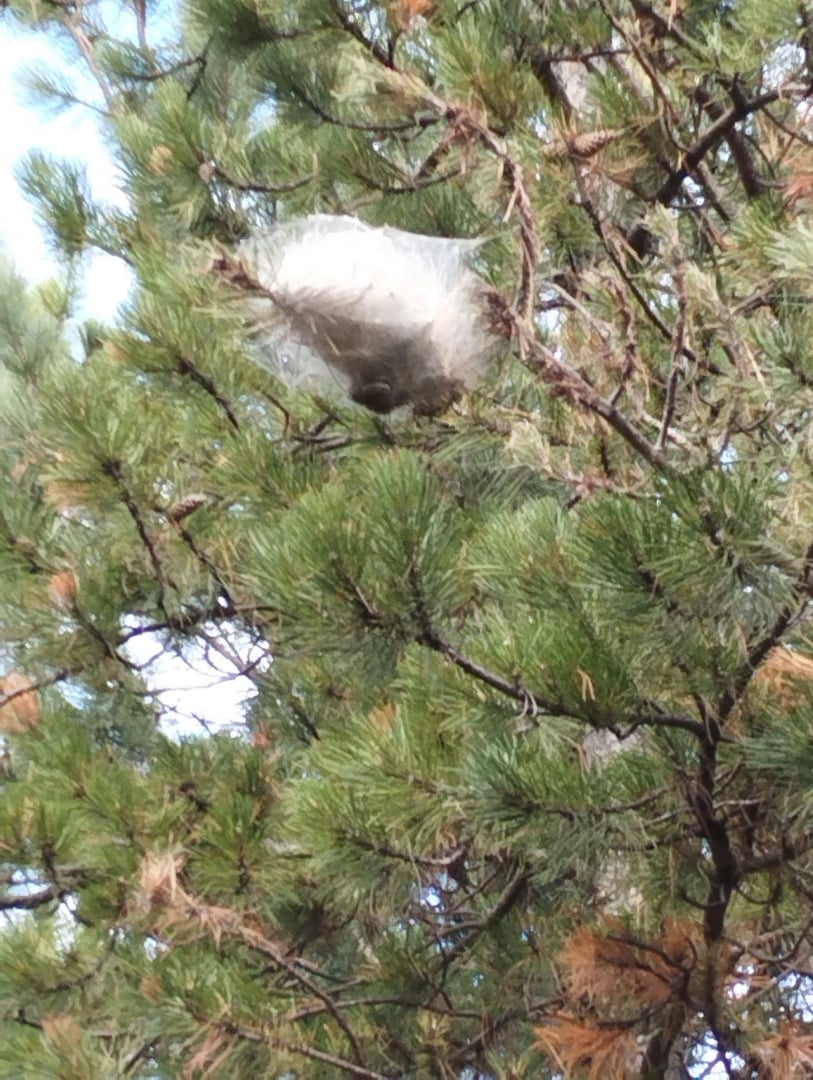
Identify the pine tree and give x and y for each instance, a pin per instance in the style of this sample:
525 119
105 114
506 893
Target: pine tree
524 786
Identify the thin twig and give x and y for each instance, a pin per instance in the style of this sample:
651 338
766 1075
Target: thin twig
40 684
113 469
85 46
691 158
387 128
347 23
677 356
256 941
263 189
310 1052
568 381
187 366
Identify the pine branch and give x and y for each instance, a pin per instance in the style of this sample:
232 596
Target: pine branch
464 124
492 1026
531 702
586 203
176 515
721 127
308 1011
638 238
414 185
376 128
467 932
191 619
40 684
534 704
300 1049
256 186
143 1051
167 72
349 24
187 366
789 851
257 942
113 469
788 617
569 383
428 862
20 546
21 1017
753 183
670 399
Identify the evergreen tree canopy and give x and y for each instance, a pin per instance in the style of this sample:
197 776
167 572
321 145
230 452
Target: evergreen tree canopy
524 787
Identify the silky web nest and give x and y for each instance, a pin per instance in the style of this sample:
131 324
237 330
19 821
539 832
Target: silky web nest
389 318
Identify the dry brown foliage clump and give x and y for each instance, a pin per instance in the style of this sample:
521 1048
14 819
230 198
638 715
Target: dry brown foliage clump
615 986
19 703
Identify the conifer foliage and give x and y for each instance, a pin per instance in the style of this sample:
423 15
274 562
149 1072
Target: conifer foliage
524 784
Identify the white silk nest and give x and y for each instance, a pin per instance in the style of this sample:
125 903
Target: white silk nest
389 318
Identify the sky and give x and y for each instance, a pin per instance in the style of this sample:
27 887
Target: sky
199 688
71 135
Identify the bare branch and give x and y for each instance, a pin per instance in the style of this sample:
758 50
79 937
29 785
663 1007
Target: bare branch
85 46
28 901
